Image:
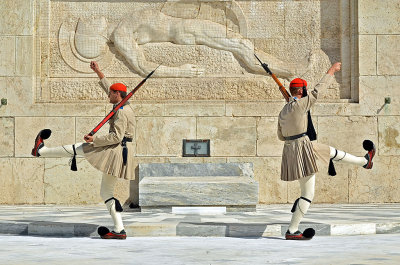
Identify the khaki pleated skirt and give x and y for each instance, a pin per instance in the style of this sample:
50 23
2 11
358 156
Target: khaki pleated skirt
109 160
300 158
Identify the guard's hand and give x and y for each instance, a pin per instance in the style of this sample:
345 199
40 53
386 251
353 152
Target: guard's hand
94 66
88 138
335 68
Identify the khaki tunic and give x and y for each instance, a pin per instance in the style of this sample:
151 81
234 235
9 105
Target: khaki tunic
299 156
105 152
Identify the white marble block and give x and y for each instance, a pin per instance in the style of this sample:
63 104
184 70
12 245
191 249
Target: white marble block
210 184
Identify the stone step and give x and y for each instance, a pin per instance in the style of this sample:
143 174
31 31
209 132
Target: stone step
198 191
207 184
215 210
195 169
193 179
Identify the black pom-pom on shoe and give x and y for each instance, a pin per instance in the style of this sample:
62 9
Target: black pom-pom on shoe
368 145
45 134
309 233
102 230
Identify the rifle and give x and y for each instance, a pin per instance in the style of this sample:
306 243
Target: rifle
119 105
310 127
283 90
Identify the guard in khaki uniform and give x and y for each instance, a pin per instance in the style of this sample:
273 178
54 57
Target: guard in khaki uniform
300 155
109 153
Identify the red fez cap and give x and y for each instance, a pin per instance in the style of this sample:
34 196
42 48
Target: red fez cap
118 87
298 82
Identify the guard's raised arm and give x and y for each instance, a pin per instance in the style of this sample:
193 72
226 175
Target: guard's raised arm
334 68
95 67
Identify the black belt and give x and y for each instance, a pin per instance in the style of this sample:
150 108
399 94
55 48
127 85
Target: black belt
125 149
125 139
294 137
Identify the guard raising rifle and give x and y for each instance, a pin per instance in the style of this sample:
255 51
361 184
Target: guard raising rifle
300 155
108 153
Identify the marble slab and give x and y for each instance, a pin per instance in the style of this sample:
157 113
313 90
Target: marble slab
197 184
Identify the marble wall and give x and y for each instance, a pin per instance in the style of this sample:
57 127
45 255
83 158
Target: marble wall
46 79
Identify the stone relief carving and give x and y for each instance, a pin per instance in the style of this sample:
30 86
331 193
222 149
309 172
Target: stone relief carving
86 43
89 42
212 41
156 27
90 37
220 11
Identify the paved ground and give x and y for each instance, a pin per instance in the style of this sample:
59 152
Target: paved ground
365 249
267 221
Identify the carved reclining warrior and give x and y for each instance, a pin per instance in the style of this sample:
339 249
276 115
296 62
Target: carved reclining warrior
152 26
147 26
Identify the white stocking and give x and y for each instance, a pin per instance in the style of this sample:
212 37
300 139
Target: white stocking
307 186
61 151
106 192
344 157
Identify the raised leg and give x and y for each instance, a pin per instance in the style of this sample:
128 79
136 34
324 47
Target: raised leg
366 161
61 151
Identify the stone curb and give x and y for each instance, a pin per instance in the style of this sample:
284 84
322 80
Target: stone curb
210 229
